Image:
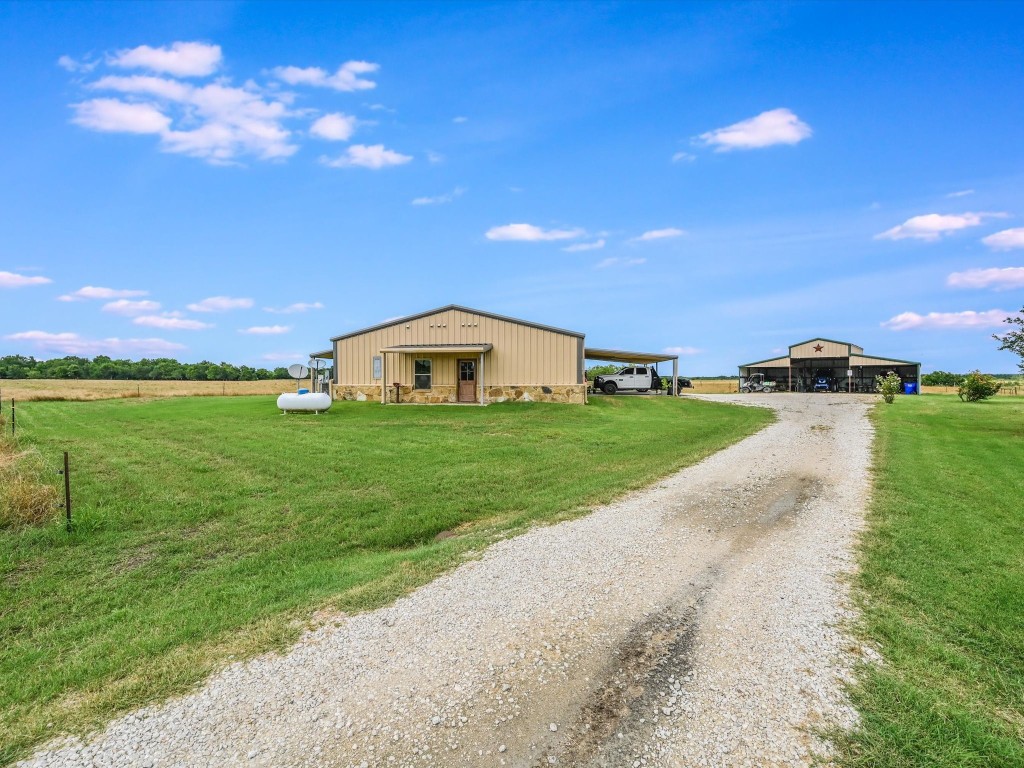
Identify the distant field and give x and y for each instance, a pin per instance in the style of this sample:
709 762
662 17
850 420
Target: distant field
713 387
1011 389
74 389
211 527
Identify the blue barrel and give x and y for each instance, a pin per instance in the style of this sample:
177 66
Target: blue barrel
910 388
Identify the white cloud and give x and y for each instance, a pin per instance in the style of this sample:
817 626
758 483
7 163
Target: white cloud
460 119
578 247
161 87
961 193
73 344
215 122
659 234
180 59
1001 279
617 262
992 318
682 351
220 304
531 233
300 306
683 157
98 292
266 330
346 78
171 321
931 226
235 121
1006 240
115 116
14 280
434 158
776 126
334 127
129 307
74 65
375 157
440 199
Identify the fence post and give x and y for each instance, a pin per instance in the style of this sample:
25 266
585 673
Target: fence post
67 491
13 422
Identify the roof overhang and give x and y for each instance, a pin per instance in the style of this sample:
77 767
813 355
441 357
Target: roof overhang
327 354
439 349
625 356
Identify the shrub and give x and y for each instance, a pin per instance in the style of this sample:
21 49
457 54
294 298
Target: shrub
977 386
889 385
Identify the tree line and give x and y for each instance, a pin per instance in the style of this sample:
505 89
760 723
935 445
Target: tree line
102 367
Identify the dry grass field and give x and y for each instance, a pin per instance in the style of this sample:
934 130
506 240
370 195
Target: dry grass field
1009 388
63 389
713 387
75 389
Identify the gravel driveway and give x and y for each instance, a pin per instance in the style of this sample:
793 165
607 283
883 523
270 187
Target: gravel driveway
696 623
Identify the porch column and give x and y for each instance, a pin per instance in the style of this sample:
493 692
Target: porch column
383 377
675 376
481 375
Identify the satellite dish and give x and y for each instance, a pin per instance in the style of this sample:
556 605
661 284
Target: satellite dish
317 363
298 371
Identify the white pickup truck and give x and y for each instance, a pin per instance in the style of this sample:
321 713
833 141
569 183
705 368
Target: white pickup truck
639 378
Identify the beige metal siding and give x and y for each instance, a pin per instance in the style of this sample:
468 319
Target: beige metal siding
522 354
861 360
779 362
829 349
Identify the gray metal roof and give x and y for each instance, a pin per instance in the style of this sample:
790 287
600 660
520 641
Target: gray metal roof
470 310
624 356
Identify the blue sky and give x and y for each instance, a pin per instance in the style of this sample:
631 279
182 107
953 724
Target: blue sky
240 182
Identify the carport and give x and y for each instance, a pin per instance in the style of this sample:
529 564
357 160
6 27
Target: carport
598 355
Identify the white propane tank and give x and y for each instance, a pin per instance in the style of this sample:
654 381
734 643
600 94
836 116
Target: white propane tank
310 401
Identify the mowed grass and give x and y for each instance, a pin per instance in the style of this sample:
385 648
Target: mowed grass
942 580
213 528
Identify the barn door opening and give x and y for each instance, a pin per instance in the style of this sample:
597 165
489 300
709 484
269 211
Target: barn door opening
467 381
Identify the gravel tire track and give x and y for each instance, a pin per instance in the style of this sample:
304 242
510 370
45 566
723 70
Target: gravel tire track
696 623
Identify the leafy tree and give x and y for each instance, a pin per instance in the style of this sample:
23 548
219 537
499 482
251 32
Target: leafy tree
977 386
889 385
602 370
103 367
941 379
1013 340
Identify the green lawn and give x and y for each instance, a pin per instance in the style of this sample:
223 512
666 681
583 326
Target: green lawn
942 583
208 528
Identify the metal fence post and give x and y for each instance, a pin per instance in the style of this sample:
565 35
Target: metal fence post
67 491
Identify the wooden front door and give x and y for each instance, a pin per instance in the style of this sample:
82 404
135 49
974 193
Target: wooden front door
467 381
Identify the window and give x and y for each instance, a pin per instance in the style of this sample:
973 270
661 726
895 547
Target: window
627 372
421 374
376 366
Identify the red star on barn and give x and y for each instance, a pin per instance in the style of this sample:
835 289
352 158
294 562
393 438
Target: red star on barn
818 347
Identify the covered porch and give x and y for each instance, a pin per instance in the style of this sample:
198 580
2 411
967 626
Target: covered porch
469 361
